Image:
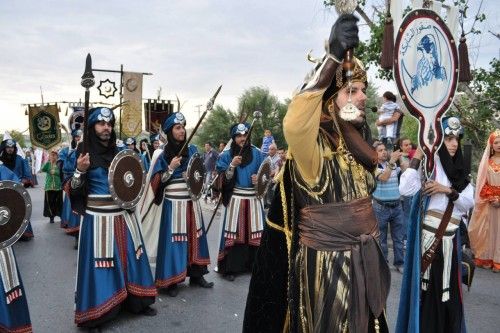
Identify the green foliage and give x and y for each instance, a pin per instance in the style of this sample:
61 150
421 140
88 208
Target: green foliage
16 135
215 127
273 112
475 109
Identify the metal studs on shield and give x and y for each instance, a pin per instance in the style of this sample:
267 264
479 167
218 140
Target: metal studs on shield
127 179
15 211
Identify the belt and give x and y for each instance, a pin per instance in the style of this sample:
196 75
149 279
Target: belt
391 204
439 215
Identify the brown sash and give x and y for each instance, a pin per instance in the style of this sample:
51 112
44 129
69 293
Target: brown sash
351 226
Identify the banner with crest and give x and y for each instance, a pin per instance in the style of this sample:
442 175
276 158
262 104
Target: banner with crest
131 117
45 131
155 114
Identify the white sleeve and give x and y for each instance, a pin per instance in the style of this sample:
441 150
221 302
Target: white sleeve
409 183
465 199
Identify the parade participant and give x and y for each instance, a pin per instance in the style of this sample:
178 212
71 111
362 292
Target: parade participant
155 143
181 243
145 153
319 267
52 204
431 299
14 312
484 228
131 144
113 269
69 219
209 159
18 165
243 217
28 156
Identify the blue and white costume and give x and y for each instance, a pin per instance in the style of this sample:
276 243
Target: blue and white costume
14 313
113 268
243 217
22 170
181 245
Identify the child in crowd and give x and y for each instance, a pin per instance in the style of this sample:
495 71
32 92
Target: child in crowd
267 140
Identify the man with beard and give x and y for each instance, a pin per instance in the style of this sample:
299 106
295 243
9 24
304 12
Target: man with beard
113 270
19 166
243 217
180 246
431 296
319 267
14 312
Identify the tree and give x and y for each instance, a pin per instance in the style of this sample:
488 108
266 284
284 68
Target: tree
215 127
273 112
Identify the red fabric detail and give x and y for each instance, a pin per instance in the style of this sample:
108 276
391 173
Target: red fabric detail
193 238
170 281
99 311
489 191
243 233
22 329
137 290
121 242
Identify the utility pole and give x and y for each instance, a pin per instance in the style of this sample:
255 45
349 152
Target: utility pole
199 110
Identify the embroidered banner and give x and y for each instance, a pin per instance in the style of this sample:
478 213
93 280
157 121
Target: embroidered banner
155 114
131 121
45 131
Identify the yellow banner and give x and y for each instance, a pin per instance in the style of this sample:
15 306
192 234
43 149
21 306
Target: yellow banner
131 120
44 126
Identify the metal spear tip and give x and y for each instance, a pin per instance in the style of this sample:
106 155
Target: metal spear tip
88 76
211 101
257 114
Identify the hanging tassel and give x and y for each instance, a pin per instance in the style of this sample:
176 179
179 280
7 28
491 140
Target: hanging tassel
387 56
464 74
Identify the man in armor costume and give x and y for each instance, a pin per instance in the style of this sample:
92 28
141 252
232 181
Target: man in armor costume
243 217
113 269
14 312
20 167
180 247
319 267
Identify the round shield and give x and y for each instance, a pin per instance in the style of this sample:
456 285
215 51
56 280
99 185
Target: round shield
127 179
263 179
195 175
15 210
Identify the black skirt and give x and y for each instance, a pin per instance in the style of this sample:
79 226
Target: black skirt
437 316
52 205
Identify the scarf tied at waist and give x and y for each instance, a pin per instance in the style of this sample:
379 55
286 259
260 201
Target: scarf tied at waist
351 226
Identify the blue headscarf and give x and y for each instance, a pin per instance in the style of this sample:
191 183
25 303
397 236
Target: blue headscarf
239 129
173 119
100 114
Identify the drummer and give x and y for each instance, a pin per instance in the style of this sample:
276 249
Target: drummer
180 247
14 313
243 217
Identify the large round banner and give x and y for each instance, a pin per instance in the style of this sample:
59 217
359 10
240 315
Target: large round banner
426 72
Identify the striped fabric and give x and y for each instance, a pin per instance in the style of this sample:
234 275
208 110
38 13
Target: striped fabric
177 192
388 190
432 221
104 211
233 209
8 272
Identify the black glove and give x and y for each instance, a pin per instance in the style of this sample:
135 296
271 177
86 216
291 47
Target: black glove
344 35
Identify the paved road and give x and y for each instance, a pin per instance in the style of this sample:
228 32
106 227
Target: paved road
48 265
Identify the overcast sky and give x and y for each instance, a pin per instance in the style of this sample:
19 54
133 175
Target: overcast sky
190 47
